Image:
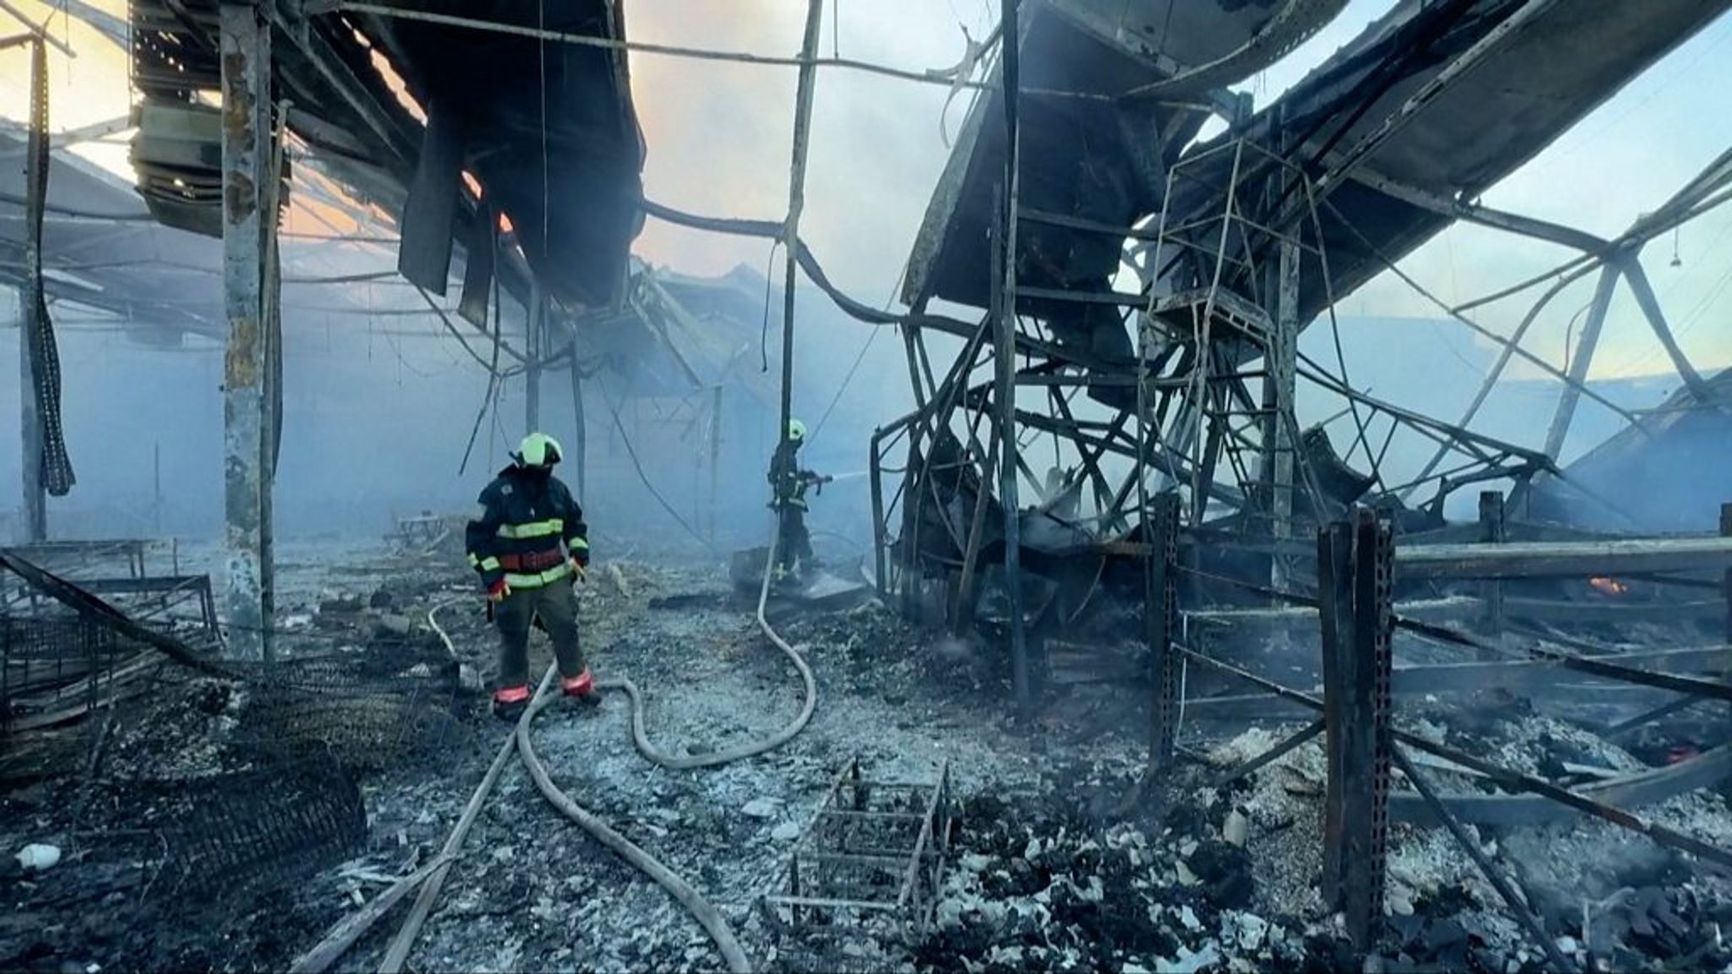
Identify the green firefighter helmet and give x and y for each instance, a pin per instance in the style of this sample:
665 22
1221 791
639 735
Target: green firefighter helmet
796 431
538 450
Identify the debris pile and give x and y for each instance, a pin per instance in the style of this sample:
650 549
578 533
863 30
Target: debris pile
1040 885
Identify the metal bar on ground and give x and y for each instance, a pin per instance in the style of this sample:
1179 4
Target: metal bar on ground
1276 753
1611 813
1493 875
1649 716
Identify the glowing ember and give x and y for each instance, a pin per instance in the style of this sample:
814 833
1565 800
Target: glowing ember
1608 586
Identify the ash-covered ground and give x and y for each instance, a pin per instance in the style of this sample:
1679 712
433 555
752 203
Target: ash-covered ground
1062 859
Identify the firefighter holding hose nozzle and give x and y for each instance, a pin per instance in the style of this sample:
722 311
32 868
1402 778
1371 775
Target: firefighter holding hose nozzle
788 485
528 544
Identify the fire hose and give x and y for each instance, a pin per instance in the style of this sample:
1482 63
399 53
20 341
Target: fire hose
701 909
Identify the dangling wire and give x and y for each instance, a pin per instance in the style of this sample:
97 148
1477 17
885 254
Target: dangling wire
764 330
546 195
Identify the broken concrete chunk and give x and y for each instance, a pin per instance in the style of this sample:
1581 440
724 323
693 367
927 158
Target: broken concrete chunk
38 856
1400 902
760 808
1250 930
786 832
468 678
1236 829
1189 962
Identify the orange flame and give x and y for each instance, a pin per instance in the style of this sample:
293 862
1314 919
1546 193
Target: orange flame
1608 586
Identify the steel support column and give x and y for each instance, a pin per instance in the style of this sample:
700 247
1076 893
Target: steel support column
803 93
246 66
580 431
1726 575
1354 563
537 340
1583 357
715 456
1004 361
33 328
1160 620
1650 305
34 526
1491 531
1280 385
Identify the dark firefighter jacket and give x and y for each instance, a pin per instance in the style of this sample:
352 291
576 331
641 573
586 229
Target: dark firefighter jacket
524 519
787 481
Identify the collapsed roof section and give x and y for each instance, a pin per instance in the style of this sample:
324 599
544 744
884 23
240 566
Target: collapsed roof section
1667 477
677 335
1084 153
1106 111
1410 143
546 129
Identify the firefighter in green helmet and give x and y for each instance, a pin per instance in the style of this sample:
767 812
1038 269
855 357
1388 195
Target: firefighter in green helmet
528 545
788 484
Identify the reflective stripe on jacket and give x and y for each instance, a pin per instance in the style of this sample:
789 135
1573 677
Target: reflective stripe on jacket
528 527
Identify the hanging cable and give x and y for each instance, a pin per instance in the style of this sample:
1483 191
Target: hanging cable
631 452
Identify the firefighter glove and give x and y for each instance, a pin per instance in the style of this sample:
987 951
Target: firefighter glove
498 591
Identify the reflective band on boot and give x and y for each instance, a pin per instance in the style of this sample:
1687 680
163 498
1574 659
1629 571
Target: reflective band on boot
581 685
516 694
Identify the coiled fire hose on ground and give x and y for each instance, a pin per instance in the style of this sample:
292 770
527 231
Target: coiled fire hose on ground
701 909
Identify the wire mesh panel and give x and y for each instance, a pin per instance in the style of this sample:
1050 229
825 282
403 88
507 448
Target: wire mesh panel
259 828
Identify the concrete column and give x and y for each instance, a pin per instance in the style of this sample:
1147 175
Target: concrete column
246 64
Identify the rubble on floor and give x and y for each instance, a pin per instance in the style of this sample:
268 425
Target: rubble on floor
1061 860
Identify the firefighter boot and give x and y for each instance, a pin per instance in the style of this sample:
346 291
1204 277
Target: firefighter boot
580 688
509 703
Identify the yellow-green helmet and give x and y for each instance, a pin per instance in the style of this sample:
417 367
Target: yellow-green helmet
538 450
796 431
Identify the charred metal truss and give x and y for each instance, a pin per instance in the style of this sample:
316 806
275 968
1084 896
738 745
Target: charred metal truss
1188 382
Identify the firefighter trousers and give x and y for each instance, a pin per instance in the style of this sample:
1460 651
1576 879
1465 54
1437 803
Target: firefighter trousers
795 542
556 605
